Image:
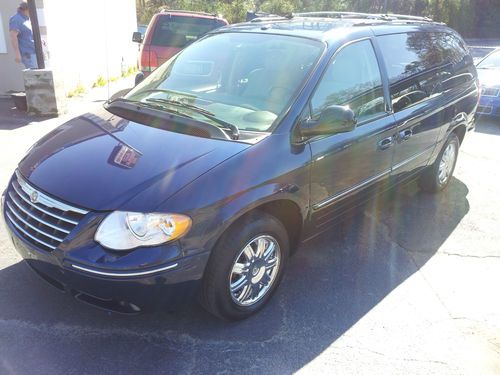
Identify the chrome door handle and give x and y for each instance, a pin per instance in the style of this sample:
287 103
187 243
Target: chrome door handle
385 143
405 135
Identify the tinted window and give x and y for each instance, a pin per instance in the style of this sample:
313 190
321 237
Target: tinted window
408 54
352 79
178 31
422 65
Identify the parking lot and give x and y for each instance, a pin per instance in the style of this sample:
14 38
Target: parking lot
408 284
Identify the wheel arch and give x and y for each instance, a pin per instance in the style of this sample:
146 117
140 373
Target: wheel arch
286 210
460 131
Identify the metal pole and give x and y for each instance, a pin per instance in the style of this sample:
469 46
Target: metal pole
385 6
36 34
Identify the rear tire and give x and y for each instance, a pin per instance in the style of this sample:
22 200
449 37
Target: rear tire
245 267
438 175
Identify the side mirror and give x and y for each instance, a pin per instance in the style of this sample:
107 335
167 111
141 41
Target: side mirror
139 78
137 37
332 120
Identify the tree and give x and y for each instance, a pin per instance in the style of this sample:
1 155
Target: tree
472 18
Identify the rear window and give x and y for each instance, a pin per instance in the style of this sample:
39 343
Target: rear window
179 31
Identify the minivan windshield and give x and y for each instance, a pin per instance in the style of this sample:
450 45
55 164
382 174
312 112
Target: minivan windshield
490 62
243 79
178 31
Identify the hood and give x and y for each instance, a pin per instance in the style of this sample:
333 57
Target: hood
489 77
103 162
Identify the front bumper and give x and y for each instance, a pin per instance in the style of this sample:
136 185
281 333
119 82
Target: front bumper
126 290
489 106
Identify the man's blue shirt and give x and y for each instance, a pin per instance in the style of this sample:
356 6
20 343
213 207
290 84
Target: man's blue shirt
22 25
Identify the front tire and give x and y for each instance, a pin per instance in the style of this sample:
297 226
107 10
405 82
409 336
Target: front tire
438 175
246 267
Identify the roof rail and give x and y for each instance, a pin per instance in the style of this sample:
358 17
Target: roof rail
271 17
189 12
374 16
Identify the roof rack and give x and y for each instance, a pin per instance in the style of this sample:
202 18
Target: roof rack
188 12
271 17
372 16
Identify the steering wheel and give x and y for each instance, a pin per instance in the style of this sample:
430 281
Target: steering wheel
408 99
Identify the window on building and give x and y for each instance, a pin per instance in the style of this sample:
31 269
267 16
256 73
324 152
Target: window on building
3 34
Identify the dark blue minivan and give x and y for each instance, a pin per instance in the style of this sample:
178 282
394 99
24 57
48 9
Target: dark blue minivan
202 179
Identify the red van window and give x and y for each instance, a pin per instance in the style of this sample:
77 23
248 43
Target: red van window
178 31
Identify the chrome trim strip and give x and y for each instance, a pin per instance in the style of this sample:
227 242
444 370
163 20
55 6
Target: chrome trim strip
27 234
410 159
41 209
124 274
37 218
44 199
335 197
33 227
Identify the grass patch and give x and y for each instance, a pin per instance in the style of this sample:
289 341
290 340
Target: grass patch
101 81
77 91
130 70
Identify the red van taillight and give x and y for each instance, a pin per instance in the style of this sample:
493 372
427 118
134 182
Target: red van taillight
153 60
149 60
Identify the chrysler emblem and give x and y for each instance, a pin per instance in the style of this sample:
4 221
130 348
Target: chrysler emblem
34 197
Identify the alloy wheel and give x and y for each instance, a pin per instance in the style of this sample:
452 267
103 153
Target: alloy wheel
447 163
254 270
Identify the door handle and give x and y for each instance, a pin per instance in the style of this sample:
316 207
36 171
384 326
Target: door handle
385 143
405 135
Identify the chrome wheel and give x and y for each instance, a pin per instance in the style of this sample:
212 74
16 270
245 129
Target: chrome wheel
446 164
254 270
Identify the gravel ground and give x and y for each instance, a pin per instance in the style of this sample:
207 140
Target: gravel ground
406 285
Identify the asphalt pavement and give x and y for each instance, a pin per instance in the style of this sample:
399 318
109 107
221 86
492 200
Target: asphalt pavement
406 285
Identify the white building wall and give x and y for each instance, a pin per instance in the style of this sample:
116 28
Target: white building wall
85 39
11 73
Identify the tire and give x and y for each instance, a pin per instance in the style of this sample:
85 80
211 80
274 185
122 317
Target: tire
432 179
221 272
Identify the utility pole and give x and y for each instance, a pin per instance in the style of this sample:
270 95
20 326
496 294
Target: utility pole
385 6
36 34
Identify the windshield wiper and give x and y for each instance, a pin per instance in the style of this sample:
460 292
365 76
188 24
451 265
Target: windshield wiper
151 105
181 104
233 130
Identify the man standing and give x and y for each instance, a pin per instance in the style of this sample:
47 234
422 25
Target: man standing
21 37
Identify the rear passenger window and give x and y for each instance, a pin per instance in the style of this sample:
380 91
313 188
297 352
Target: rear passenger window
352 79
422 65
413 67
459 66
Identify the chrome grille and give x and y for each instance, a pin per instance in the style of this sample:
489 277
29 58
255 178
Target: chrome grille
484 109
488 91
40 219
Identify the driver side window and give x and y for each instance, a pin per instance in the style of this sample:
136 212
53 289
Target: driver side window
352 79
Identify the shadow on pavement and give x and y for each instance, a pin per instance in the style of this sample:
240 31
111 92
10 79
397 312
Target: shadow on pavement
331 283
11 118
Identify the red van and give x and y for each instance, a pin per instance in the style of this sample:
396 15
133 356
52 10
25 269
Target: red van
170 31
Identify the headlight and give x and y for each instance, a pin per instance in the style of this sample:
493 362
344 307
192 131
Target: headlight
128 230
